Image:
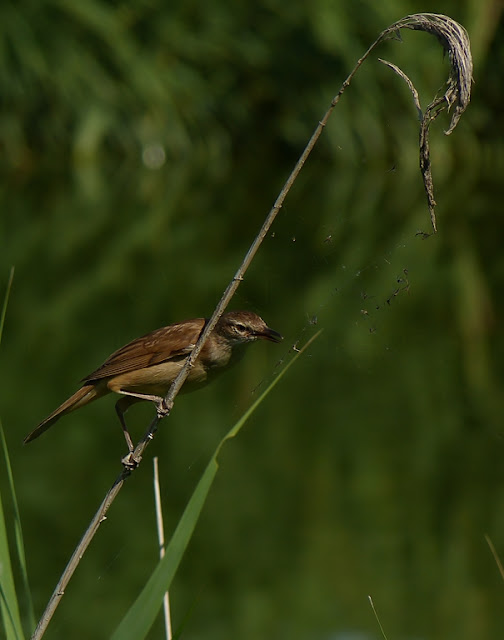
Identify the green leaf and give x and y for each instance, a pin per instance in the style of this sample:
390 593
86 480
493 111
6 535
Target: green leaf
139 619
6 300
18 532
8 600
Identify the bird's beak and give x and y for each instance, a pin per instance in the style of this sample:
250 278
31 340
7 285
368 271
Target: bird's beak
270 334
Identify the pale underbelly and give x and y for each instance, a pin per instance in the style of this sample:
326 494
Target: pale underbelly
156 380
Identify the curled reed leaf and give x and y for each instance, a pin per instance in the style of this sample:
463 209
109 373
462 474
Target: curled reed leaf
455 41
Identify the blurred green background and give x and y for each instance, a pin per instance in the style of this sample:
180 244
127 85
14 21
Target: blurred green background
142 144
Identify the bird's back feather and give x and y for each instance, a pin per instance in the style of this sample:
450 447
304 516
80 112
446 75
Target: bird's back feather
171 342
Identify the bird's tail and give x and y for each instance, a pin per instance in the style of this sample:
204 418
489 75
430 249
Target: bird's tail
83 396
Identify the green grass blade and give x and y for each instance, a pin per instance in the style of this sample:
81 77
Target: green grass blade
18 532
498 562
6 300
136 623
236 428
8 601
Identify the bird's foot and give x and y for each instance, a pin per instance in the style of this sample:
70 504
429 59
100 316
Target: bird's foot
130 462
163 408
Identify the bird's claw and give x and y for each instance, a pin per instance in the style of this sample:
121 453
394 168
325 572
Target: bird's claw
130 462
164 408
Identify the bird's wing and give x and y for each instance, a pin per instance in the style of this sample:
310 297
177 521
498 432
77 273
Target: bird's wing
164 344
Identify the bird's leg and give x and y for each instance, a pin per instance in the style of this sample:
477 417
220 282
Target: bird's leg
162 408
121 407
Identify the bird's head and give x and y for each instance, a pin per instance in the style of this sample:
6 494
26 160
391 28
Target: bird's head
240 327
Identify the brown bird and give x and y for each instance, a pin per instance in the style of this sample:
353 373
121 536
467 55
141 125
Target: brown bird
145 368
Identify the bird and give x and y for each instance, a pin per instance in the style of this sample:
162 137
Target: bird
144 369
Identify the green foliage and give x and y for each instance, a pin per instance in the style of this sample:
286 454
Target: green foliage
79 79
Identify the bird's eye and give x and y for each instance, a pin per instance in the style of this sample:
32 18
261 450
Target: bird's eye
241 327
